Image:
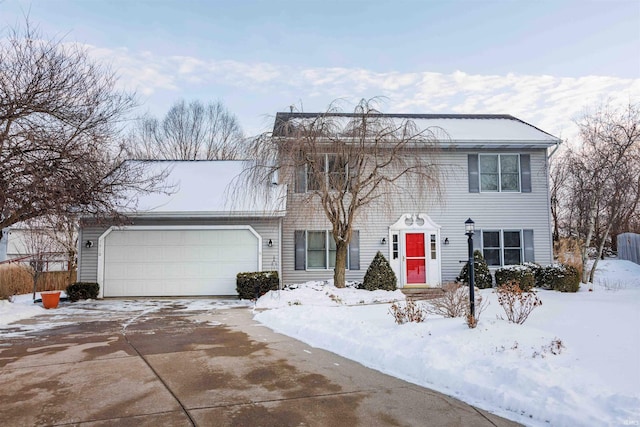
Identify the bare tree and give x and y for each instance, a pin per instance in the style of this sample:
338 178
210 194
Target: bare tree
603 178
60 116
36 249
342 163
191 131
63 230
559 172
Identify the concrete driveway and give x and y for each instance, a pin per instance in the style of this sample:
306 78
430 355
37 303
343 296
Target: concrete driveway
196 362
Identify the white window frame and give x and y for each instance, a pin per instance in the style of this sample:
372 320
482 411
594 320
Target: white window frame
325 173
499 158
328 237
501 245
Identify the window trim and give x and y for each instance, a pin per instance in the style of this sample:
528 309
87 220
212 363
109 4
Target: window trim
502 247
499 186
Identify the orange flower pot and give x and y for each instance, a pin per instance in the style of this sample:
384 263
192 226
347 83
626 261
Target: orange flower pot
50 299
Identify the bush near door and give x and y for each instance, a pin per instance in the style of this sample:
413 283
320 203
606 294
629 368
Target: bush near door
379 275
481 275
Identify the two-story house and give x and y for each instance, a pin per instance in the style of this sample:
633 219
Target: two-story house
194 241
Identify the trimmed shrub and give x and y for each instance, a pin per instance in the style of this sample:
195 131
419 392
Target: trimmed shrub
82 290
521 274
537 270
481 275
559 277
379 275
255 284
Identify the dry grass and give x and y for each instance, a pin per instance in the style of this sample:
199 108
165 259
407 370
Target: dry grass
16 279
567 252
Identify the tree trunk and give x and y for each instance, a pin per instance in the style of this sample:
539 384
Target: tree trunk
599 255
341 265
593 213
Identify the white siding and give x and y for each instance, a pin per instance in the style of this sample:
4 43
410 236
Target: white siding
488 210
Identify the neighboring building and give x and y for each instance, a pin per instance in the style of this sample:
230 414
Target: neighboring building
24 244
192 243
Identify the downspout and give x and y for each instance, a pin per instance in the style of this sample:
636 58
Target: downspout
280 253
555 149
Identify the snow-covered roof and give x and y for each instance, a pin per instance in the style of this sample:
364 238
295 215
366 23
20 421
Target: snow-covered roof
454 130
209 188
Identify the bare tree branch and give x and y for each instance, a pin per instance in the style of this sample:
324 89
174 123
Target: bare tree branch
602 179
191 131
60 117
341 163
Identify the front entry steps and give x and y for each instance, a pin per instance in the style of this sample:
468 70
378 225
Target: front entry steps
423 293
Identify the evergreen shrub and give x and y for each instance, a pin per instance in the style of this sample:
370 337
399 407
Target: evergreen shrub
253 285
379 275
82 290
520 274
537 271
559 277
481 274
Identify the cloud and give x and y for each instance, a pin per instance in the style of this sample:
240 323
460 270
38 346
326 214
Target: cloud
549 102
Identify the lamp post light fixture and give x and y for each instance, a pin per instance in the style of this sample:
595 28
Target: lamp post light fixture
469 228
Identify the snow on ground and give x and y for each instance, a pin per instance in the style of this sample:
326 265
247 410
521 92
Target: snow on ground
575 361
125 310
511 370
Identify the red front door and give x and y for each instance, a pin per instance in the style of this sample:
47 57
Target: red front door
415 252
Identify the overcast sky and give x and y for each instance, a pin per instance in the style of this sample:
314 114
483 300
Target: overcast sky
542 61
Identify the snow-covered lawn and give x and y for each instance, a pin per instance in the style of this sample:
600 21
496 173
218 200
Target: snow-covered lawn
508 369
511 370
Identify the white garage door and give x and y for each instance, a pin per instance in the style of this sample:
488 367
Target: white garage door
177 262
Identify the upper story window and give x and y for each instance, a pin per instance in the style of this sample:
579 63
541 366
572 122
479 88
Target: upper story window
330 171
499 172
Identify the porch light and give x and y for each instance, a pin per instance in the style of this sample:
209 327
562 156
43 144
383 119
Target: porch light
89 244
270 243
469 228
383 241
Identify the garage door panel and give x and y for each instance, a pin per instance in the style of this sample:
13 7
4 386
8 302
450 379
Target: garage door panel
177 262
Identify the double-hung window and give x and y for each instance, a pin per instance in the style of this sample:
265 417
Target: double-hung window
507 247
329 171
499 172
316 250
321 250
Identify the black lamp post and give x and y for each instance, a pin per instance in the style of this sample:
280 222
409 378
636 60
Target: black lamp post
469 229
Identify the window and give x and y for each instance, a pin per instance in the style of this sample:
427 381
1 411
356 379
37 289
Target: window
323 171
504 247
499 172
316 250
394 247
491 247
433 246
